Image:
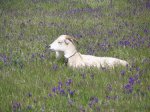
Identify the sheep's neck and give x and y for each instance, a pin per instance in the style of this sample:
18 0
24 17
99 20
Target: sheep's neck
69 53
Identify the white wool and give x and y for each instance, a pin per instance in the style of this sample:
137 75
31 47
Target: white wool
64 44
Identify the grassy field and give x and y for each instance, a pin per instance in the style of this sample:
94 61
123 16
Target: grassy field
32 80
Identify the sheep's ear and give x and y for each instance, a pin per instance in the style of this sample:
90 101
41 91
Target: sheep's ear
72 39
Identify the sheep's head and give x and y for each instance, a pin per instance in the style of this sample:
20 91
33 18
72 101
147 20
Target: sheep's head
63 43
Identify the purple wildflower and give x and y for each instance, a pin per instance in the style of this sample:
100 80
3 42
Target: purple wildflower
93 101
131 81
128 88
69 81
108 97
124 43
62 92
137 69
58 88
54 89
50 95
123 72
3 58
16 106
60 84
33 55
71 92
145 31
148 5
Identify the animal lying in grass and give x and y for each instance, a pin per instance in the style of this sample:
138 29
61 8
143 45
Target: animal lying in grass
65 45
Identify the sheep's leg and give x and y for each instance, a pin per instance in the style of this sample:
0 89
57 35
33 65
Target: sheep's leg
58 54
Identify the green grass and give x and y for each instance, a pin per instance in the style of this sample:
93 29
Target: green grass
29 71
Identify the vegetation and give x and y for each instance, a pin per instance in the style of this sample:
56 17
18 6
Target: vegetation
31 79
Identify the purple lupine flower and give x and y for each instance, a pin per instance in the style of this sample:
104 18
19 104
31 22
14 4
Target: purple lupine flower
126 43
145 31
60 84
58 88
33 55
54 89
137 69
148 5
4 58
131 80
122 72
62 92
121 43
50 95
128 88
71 92
110 32
16 106
69 81
96 100
93 101
108 97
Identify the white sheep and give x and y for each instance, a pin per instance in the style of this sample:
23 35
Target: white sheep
65 44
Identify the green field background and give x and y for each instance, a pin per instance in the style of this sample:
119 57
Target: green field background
32 80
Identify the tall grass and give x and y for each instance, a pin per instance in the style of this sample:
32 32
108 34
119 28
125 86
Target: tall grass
31 79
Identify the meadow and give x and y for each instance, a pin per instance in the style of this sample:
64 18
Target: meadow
32 80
